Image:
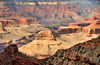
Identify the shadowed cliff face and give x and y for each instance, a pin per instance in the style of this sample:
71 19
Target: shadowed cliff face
11 56
87 53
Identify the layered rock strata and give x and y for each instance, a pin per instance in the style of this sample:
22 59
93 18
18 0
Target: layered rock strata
87 53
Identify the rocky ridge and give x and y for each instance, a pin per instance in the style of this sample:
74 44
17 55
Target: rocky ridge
83 53
86 53
11 56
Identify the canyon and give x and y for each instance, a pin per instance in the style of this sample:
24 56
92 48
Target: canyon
82 53
64 37
86 53
49 33
59 14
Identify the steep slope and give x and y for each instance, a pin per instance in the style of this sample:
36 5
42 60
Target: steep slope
22 35
50 45
61 13
11 56
87 53
43 41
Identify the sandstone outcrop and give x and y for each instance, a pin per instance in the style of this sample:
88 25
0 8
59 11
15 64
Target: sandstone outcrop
15 21
45 35
86 53
72 28
86 22
90 26
94 27
8 22
36 48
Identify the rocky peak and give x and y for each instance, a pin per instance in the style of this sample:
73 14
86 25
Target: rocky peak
12 49
11 56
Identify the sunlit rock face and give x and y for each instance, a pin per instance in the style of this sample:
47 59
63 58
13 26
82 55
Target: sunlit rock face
90 26
72 28
43 46
94 27
86 53
45 35
10 18
69 36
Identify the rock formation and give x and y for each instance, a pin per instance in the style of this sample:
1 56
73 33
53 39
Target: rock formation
87 53
72 28
11 56
9 18
45 35
90 26
36 48
50 11
83 53
94 27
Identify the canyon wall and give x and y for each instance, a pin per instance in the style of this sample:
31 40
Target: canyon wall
51 11
9 18
86 53
83 53
89 26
